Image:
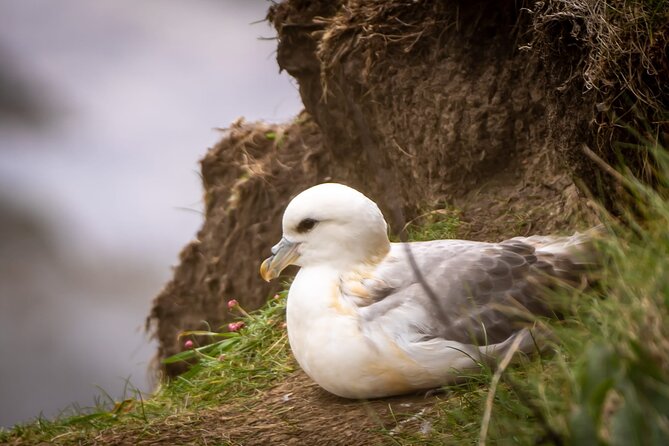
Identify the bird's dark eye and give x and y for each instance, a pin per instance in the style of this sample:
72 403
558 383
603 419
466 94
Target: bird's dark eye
306 225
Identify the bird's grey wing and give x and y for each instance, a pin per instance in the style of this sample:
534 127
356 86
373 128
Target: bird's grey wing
468 292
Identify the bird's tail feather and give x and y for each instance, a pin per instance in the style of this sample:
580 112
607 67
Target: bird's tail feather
568 258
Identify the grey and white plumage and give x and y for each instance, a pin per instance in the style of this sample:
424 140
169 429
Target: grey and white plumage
369 318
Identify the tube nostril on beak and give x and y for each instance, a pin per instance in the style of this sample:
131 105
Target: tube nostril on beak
278 246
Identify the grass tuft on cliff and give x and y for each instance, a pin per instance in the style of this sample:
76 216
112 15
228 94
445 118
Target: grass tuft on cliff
238 365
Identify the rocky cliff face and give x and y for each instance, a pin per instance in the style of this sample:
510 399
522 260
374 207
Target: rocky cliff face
482 105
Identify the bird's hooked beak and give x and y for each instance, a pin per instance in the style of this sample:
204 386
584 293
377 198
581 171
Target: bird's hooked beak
284 254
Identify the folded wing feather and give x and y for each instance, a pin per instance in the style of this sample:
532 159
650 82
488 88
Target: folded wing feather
472 293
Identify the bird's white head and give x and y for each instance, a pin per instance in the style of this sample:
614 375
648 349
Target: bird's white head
329 225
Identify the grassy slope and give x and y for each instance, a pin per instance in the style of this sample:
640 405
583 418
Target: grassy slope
236 366
606 381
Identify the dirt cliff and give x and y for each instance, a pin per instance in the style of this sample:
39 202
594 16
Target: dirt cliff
505 110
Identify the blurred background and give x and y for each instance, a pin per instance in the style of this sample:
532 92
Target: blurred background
105 109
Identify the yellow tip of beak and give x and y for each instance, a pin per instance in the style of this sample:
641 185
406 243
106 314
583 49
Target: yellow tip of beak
284 254
265 271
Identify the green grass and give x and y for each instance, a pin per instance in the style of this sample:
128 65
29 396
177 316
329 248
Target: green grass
436 224
238 365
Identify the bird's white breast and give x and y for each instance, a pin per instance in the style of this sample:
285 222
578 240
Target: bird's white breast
326 338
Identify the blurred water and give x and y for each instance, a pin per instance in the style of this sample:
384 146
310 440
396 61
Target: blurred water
96 205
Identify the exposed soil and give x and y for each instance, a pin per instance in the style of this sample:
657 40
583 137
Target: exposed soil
478 104
295 412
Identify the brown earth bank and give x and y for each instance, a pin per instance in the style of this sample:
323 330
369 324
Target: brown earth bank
502 109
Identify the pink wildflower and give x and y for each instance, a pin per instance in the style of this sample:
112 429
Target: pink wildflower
235 326
232 304
188 344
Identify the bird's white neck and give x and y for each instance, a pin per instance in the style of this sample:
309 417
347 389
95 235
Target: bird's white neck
314 286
